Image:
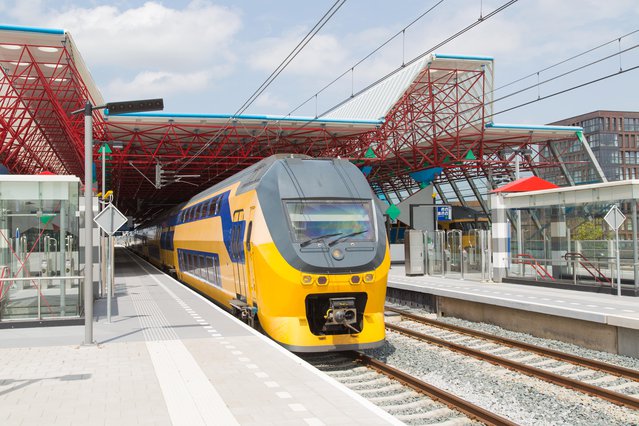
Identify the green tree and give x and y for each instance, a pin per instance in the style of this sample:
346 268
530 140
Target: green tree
588 230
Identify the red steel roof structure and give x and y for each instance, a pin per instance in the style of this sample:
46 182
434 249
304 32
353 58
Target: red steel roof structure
433 113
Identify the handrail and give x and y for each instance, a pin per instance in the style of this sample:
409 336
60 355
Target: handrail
528 259
586 264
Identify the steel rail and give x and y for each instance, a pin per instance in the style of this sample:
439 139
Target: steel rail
469 409
616 370
614 397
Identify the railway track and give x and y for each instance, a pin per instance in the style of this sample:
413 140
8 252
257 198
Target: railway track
409 399
462 340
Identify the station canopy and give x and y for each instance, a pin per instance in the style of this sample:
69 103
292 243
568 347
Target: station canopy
434 113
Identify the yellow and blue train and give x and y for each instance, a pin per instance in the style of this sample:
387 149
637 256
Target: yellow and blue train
293 245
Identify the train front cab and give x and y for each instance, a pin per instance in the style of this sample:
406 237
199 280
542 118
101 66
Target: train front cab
310 308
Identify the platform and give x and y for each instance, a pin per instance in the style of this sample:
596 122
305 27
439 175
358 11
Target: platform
599 321
169 356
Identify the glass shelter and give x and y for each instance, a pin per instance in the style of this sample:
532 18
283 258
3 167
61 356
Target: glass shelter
39 236
567 239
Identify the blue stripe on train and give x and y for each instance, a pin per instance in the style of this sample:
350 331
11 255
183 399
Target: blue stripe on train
230 229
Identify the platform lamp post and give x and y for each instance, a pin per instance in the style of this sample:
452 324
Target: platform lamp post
113 108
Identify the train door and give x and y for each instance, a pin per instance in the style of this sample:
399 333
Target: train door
237 251
250 276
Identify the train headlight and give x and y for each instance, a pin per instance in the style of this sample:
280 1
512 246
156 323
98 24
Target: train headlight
337 254
307 280
355 279
368 278
322 280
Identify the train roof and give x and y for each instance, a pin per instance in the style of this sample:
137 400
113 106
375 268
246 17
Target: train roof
248 177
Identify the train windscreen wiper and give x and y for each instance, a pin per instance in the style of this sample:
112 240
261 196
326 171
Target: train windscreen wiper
352 234
321 237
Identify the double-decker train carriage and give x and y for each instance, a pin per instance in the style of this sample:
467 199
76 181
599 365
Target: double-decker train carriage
292 243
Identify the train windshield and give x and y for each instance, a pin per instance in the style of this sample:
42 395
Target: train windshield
330 219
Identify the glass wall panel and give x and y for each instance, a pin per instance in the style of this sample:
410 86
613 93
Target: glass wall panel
39 236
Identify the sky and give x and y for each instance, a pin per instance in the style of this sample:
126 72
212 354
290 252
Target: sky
206 56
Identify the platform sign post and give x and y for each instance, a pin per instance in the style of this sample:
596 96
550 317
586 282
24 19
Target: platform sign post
614 218
110 220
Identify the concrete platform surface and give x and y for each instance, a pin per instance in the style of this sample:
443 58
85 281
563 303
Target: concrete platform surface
169 356
621 311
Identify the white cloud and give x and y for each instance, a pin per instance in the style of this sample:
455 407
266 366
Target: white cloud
152 36
270 102
151 84
324 52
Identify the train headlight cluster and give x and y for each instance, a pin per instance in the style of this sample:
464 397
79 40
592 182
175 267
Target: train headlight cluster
368 278
355 279
314 279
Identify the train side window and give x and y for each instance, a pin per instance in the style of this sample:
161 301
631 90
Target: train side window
217 205
216 266
191 263
248 236
201 270
210 268
208 209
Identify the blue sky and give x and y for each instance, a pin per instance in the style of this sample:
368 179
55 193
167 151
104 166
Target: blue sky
209 56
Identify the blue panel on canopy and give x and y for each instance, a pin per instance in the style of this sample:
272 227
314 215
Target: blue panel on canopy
426 176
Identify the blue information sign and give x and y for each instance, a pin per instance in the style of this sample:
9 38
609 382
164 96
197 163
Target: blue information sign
444 213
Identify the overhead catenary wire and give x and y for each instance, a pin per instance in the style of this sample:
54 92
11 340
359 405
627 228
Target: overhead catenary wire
447 40
426 52
377 49
556 77
559 92
307 38
592 49
278 70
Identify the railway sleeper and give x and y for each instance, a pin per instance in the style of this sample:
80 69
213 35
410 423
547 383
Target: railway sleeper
364 385
421 403
399 396
434 414
391 387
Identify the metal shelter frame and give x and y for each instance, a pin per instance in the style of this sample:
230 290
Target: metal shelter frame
434 113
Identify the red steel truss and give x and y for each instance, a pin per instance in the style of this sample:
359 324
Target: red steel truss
440 120
40 86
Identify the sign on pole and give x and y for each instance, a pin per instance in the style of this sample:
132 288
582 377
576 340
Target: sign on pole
110 219
615 218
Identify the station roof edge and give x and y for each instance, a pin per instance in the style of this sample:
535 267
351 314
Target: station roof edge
4 27
533 127
169 115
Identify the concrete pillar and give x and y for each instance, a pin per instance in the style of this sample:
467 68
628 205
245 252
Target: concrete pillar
500 236
558 241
